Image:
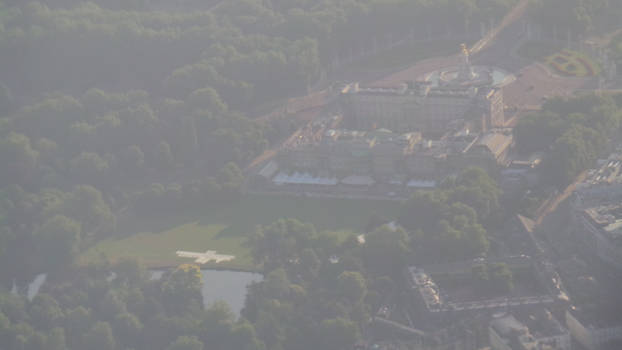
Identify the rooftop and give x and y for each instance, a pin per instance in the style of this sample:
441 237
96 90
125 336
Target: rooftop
496 142
541 322
427 288
601 316
608 218
418 88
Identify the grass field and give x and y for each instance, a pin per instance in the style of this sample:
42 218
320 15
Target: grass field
154 240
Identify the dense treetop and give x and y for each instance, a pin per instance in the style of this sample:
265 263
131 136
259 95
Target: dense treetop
574 132
580 17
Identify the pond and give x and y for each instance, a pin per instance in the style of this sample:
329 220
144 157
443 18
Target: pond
227 286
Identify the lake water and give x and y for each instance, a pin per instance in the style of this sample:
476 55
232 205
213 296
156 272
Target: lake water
227 286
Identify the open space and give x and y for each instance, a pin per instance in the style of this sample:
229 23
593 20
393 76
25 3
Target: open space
562 61
537 50
404 55
154 240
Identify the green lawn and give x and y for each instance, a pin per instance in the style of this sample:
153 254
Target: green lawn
154 240
403 56
573 64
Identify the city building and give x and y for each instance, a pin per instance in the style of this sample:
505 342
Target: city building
597 210
459 95
600 228
428 297
534 329
417 106
395 159
594 330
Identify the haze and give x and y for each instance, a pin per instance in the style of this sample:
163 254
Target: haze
302 175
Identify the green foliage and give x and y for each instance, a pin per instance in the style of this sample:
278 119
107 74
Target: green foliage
110 316
45 312
576 16
18 157
186 343
338 334
386 250
58 241
277 244
181 289
576 131
100 337
352 286
446 224
502 278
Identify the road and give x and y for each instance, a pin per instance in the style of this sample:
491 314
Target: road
512 17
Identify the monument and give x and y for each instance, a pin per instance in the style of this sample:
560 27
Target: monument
465 71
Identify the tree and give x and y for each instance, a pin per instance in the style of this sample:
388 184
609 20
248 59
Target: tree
230 178
86 205
423 211
338 333
133 159
89 167
501 278
130 272
273 245
478 190
309 263
181 289
77 323
45 312
573 152
480 275
19 159
56 339
186 343
5 328
100 337
216 325
111 305
276 285
386 250
128 329
164 157
58 241
7 103
206 99
352 286
243 336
